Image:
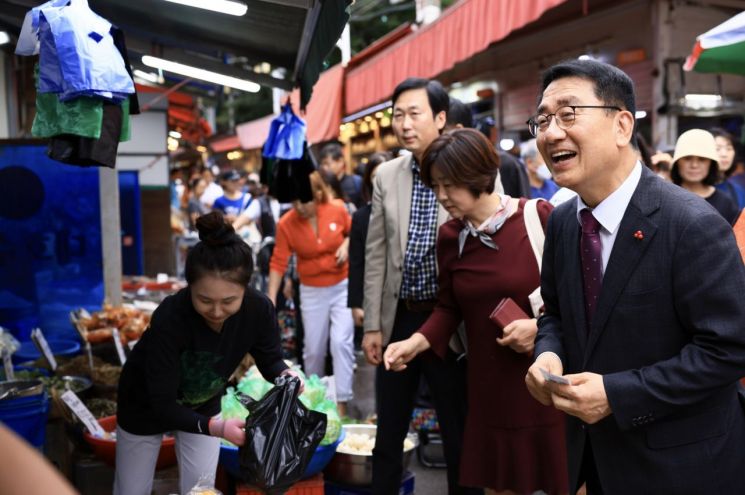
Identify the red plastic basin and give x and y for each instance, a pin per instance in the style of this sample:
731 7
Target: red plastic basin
106 449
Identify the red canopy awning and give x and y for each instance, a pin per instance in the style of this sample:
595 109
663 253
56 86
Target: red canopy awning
322 115
463 30
324 112
183 114
253 134
225 144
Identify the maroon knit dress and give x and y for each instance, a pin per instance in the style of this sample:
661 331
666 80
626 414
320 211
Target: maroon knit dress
511 441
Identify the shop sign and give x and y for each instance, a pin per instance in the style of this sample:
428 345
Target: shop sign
41 343
83 413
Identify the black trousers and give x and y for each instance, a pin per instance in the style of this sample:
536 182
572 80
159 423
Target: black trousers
589 471
396 393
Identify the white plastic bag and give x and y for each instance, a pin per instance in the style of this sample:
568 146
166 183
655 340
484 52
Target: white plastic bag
205 486
89 62
28 40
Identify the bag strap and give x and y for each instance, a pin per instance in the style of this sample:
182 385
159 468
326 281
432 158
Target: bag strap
535 229
246 204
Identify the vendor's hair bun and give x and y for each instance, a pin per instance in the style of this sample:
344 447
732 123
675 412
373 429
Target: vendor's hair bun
221 252
215 231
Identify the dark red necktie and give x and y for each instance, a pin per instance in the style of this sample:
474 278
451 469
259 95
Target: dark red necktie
591 253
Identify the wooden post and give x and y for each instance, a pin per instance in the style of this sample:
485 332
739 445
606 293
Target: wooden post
111 244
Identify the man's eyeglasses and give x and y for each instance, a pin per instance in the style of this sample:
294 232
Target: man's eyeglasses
564 117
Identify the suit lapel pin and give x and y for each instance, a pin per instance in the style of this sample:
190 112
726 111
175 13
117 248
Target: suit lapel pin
639 235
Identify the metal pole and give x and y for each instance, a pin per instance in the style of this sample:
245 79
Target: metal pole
111 244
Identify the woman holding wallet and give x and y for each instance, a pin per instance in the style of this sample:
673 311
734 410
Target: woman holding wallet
512 443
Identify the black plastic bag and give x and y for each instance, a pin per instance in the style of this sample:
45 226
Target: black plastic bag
281 437
290 178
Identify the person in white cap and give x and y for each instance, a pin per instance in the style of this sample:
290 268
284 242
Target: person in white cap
695 168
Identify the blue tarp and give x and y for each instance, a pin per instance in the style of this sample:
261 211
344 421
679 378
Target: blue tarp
50 242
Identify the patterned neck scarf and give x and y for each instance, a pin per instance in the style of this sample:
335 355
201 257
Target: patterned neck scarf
484 232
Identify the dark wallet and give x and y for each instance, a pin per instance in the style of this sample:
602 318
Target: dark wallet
506 312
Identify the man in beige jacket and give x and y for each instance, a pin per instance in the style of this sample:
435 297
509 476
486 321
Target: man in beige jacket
401 288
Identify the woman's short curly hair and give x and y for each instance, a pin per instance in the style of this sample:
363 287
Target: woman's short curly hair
465 158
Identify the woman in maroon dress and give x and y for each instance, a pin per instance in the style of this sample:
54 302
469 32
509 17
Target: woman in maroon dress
512 443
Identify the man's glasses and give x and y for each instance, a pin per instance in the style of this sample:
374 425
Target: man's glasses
564 117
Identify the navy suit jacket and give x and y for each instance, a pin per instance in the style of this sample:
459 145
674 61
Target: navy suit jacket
668 337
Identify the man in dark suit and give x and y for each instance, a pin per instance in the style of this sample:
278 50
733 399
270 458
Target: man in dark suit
642 284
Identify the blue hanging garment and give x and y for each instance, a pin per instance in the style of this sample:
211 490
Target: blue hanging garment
28 39
286 136
78 42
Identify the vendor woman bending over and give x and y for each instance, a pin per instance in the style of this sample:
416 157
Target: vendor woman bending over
177 373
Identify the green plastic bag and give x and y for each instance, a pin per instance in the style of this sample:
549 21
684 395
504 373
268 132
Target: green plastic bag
314 394
126 133
81 116
333 422
254 386
231 407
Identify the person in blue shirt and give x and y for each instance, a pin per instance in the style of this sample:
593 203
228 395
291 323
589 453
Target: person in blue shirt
541 185
726 151
234 200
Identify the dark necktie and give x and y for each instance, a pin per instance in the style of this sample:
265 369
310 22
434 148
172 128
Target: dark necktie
591 253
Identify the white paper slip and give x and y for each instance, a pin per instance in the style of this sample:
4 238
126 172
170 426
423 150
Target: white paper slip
119 346
89 352
554 378
43 346
8 364
83 413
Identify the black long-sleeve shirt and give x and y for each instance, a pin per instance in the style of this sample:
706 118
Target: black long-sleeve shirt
177 373
513 175
357 241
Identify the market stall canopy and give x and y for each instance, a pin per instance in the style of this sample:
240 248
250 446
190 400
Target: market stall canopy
225 144
253 134
322 115
324 112
465 29
721 49
277 43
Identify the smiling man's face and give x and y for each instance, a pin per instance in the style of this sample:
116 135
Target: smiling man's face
584 155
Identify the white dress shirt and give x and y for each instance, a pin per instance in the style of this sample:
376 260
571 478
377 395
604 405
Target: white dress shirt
610 211
609 214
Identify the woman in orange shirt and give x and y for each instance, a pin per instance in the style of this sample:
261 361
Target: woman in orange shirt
317 232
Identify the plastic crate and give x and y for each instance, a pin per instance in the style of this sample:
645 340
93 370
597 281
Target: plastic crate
407 487
310 486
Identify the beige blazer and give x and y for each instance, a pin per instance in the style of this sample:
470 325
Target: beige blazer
387 237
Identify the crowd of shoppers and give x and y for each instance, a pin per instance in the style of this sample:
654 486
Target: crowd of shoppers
616 368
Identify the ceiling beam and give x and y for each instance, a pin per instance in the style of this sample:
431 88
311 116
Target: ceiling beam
215 65
300 4
730 4
309 29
